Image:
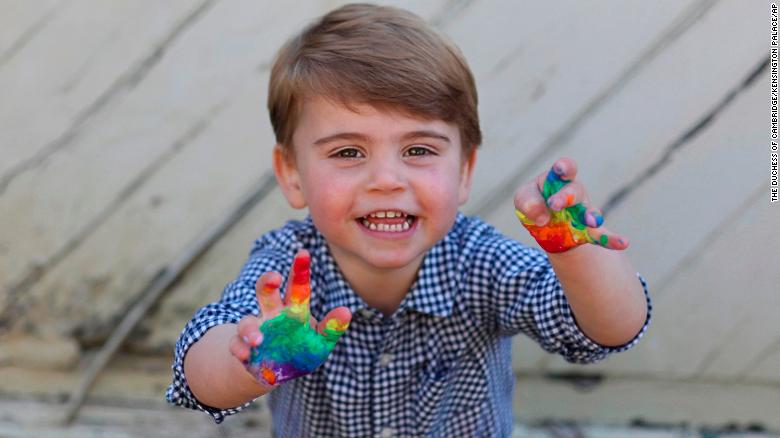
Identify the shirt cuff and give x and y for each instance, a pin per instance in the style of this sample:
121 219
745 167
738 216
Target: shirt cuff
179 392
590 350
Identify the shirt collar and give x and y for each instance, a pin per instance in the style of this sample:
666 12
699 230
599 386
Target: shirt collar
431 293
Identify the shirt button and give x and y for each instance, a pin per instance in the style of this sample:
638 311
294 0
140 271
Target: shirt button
385 359
365 313
387 432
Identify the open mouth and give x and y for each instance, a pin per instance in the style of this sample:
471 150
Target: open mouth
390 221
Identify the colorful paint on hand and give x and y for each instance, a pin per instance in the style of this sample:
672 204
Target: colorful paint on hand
291 347
567 227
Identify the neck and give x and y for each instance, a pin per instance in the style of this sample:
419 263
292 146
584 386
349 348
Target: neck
382 289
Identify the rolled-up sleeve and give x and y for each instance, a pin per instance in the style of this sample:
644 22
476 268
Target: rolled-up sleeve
529 299
238 300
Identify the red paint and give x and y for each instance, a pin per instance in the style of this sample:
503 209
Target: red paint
553 237
301 272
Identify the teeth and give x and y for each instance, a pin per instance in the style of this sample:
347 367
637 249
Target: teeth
405 225
390 214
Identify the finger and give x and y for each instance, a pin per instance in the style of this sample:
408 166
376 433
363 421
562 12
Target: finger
607 239
549 183
268 298
569 195
335 323
249 330
593 218
239 349
565 168
529 201
298 287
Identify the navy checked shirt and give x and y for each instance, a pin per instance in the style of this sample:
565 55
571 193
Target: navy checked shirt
439 366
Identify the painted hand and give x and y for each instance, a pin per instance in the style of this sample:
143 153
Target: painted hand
286 341
555 210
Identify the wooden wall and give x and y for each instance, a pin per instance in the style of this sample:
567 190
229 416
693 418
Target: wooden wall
128 128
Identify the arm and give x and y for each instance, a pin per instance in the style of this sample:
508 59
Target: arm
605 295
606 298
228 365
215 376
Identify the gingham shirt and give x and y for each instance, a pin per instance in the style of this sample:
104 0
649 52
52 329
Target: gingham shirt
439 366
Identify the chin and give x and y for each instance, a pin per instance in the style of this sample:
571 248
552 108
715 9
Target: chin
390 261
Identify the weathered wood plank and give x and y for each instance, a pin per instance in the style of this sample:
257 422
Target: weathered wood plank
537 71
47 98
34 419
77 63
766 363
21 21
658 116
669 402
724 300
155 181
208 277
687 211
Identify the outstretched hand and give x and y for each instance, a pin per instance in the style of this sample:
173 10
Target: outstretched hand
556 210
286 342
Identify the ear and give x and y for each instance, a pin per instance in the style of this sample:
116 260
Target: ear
288 177
467 169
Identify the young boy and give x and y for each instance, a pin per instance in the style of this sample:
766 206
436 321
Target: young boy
405 330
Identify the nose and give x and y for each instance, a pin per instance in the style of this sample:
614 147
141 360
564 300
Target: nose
386 174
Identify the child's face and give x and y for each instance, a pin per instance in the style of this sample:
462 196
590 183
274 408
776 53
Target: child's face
349 165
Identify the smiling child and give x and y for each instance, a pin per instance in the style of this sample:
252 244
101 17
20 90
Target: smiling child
398 311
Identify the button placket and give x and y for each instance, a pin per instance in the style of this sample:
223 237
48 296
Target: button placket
385 359
384 395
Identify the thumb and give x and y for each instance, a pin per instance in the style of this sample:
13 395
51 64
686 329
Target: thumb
335 324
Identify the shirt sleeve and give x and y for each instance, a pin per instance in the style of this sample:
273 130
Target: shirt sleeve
238 300
530 299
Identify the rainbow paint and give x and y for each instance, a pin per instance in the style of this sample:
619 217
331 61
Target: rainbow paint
291 347
567 227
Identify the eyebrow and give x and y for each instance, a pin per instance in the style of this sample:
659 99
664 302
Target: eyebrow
358 136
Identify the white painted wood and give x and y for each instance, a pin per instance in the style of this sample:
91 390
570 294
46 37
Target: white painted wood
19 21
536 67
657 116
73 61
207 279
231 129
618 401
675 214
35 419
767 363
725 301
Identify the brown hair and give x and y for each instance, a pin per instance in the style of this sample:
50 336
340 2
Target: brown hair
378 55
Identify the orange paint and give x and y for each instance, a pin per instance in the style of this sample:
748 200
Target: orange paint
554 237
268 375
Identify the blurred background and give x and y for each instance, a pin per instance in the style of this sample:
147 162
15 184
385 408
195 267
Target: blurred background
135 170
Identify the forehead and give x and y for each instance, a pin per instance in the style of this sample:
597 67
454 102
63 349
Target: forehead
321 117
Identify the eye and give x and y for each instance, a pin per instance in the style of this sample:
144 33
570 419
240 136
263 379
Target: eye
348 153
418 151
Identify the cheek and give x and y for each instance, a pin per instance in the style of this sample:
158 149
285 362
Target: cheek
439 190
327 191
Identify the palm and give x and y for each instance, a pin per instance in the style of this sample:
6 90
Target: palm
294 344
567 228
